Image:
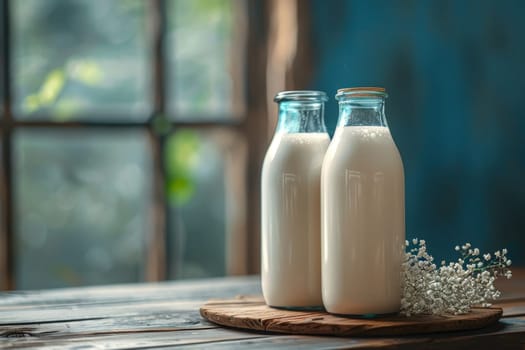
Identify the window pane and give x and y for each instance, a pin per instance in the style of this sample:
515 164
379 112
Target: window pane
82 200
206 191
73 58
205 44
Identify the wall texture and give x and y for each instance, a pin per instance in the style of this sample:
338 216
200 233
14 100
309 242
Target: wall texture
455 74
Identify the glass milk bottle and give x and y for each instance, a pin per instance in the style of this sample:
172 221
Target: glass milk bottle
363 209
291 214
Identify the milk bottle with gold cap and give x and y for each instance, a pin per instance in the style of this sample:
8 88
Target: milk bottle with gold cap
363 209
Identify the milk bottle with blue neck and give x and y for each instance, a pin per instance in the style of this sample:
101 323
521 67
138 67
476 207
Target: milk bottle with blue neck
291 214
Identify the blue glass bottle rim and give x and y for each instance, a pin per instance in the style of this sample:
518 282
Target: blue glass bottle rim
301 95
361 92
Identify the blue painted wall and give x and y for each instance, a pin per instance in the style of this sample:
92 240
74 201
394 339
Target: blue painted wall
455 74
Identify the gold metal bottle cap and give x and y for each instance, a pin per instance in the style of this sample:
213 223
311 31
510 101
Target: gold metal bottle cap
371 91
366 88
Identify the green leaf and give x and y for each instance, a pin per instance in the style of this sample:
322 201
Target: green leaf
86 71
182 152
182 159
52 86
181 190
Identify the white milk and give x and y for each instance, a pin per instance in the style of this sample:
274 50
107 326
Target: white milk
291 226
363 222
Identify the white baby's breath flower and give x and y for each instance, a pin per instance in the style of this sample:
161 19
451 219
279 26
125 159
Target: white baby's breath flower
452 288
456 248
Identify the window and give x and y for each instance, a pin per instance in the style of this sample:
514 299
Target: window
124 140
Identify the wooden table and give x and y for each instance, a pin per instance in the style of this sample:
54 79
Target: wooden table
166 315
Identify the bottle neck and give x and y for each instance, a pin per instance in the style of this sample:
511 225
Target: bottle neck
301 117
358 111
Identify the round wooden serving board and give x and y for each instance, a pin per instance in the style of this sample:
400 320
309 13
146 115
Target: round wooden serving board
252 313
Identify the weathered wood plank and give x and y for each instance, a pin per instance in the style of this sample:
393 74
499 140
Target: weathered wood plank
507 334
312 342
182 320
508 340
69 313
126 340
512 307
130 293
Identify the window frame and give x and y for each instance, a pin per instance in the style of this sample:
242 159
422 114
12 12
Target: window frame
250 126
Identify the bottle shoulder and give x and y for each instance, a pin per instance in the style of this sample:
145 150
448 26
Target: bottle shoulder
365 147
295 151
